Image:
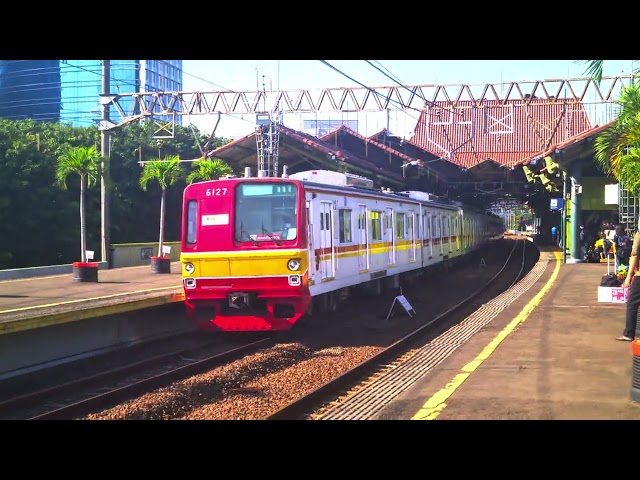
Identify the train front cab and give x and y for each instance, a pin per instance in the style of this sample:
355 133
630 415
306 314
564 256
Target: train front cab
244 254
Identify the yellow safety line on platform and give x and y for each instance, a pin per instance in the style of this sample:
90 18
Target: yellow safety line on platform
58 275
436 404
34 307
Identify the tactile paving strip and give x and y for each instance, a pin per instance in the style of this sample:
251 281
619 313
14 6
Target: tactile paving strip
398 377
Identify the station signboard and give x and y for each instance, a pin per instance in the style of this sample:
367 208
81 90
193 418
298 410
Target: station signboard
556 204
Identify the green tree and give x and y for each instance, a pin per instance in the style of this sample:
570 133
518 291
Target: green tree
616 148
206 169
84 162
166 172
595 69
31 202
132 145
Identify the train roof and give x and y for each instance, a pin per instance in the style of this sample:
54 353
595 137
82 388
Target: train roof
346 182
349 183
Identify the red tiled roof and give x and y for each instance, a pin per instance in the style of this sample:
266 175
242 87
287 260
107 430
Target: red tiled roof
314 143
571 141
505 132
230 145
437 171
342 128
325 147
378 134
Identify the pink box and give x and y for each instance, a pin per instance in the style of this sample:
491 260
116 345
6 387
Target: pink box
613 294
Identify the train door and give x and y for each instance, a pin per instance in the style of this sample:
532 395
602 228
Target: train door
436 234
444 233
310 242
463 233
473 233
428 234
327 257
454 234
411 231
391 238
363 239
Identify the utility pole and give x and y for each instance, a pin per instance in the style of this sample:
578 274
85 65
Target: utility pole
104 146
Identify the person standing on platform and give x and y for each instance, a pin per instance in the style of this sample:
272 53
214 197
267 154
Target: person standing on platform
583 243
554 235
633 298
622 244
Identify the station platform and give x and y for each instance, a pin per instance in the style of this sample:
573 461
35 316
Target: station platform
551 354
38 302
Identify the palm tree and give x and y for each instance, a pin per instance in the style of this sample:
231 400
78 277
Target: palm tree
594 69
166 172
208 170
617 148
86 163
617 145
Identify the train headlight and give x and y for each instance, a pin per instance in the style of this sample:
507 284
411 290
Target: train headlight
189 268
293 264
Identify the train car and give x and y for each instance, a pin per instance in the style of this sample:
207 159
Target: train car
258 253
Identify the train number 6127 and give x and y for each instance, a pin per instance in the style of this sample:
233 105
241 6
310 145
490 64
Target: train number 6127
212 192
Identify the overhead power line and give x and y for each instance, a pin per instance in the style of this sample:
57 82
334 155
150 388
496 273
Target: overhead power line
403 85
369 88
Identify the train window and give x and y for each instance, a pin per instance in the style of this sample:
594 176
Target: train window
400 217
344 217
376 226
435 231
192 221
265 189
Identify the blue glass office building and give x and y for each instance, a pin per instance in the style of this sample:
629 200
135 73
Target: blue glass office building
30 89
82 85
69 90
162 76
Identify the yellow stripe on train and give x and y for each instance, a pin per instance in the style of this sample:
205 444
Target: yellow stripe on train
244 264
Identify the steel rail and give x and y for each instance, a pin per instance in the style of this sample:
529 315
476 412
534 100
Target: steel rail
122 393
301 407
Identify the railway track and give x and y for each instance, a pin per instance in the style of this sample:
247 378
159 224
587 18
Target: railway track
76 397
331 397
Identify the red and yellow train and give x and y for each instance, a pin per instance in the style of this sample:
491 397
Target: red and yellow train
258 252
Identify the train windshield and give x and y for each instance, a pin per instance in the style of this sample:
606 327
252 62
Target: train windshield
266 212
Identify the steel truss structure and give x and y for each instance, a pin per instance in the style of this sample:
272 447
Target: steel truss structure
131 107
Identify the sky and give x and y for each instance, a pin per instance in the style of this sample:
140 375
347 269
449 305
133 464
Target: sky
274 75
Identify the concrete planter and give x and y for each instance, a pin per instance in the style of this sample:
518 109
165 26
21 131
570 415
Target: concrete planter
85 271
161 264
